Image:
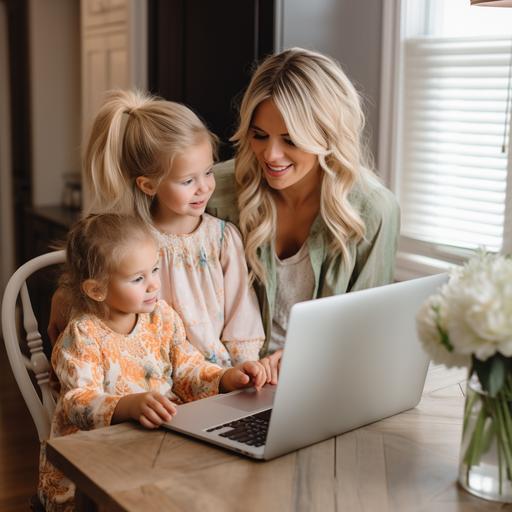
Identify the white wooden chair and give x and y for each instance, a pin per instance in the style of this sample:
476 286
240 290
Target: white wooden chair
41 405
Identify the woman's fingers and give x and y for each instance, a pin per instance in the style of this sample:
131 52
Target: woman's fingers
271 364
275 364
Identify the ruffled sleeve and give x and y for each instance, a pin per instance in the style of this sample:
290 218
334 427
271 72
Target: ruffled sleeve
243 333
77 362
192 376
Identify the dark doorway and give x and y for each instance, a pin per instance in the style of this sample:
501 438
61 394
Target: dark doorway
202 52
19 119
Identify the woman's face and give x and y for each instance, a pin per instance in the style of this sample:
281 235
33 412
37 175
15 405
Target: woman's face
283 164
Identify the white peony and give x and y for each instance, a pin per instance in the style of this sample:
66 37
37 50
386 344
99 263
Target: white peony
474 309
430 323
479 295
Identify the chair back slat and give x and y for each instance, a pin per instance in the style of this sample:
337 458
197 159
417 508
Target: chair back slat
41 408
39 363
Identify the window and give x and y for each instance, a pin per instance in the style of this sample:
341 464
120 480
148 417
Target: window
445 129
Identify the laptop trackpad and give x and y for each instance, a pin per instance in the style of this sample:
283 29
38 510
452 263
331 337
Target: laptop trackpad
250 400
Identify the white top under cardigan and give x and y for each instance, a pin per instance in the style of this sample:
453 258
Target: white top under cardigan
295 283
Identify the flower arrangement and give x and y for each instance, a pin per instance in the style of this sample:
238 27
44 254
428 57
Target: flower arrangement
469 323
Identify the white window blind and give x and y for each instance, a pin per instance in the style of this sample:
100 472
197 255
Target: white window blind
453 178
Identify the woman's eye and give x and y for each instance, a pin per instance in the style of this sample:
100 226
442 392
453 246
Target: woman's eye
259 136
289 142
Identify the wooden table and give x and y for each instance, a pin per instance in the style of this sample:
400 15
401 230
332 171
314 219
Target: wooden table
404 463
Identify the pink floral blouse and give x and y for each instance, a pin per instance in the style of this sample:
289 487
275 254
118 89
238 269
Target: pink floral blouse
97 366
205 279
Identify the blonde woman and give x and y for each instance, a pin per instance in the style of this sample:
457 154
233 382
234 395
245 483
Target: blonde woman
314 218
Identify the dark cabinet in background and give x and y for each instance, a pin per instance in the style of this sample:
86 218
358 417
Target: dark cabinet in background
202 53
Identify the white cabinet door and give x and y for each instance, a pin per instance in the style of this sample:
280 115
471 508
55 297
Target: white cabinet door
105 66
98 13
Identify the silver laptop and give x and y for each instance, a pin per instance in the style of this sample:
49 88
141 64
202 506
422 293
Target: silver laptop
349 360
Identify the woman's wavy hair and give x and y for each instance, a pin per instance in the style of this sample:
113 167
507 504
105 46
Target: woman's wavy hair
322 112
95 246
135 134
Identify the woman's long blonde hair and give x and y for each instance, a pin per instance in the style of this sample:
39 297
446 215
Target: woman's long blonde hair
135 134
322 112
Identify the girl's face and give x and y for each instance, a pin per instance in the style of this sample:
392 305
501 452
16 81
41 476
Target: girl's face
182 195
283 164
134 286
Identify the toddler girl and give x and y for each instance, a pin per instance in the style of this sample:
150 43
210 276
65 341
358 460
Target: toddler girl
154 158
123 355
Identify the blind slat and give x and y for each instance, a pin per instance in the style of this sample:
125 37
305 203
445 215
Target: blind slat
424 167
476 197
454 173
462 183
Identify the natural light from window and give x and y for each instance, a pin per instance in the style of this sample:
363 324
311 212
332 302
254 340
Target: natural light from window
454 119
457 18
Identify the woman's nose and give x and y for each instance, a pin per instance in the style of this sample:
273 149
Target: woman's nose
273 150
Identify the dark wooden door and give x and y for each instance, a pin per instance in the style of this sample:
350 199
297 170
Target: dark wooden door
19 120
202 53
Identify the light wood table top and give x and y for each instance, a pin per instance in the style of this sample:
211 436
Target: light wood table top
404 463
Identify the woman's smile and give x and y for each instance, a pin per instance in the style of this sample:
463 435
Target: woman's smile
277 170
282 162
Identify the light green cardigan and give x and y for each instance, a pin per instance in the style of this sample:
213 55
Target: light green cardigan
371 259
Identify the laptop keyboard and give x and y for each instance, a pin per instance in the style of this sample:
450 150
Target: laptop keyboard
251 430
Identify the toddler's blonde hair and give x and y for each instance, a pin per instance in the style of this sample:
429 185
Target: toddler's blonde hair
94 248
135 134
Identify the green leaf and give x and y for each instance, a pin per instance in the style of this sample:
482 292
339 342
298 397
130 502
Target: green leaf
491 373
443 335
498 374
482 369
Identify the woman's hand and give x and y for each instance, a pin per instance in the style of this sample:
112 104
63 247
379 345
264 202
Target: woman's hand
272 363
59 315
250 373
150 409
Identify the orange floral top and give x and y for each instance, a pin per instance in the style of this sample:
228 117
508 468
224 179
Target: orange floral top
97 367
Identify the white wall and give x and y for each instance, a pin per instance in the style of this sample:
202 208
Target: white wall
6 217
54 49
349 31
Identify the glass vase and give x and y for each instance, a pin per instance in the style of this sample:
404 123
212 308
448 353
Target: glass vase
486 450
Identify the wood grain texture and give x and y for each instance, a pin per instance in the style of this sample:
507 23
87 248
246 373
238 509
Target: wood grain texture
407 462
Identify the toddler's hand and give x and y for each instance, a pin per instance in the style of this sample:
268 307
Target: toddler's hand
272 364
150 409
250 373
